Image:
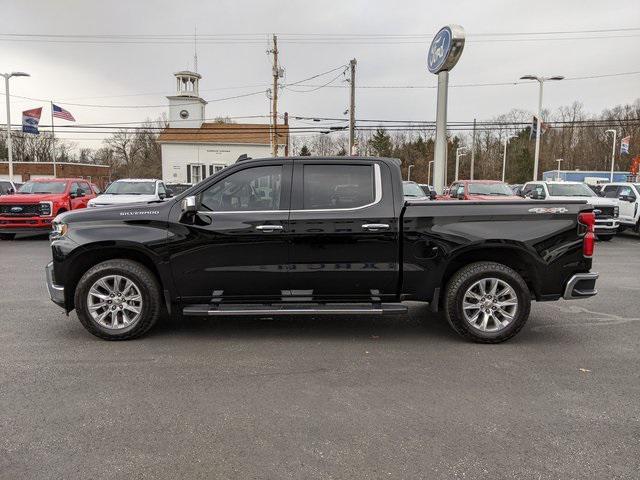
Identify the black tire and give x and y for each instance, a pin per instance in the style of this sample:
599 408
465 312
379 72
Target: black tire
604 238
463 279
149 291
7 236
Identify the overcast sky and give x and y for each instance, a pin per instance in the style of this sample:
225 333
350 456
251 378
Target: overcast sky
141 73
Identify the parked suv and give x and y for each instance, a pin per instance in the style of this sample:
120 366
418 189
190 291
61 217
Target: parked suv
628 195
481 190
606 209
131 190
37 203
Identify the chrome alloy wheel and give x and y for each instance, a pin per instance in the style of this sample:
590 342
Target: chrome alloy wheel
490 305
114 302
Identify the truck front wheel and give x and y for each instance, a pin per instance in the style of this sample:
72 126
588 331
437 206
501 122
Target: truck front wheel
118 300
487 302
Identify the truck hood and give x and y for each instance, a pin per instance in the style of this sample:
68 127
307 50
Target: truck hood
122 213
107 199
31 197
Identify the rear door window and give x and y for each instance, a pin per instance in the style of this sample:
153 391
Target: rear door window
337 186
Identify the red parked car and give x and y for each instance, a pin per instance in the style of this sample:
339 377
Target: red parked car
480 190
36 203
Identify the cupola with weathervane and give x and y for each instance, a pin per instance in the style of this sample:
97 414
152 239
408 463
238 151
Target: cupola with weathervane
186 108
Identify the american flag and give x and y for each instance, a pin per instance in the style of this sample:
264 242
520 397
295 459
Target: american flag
60 112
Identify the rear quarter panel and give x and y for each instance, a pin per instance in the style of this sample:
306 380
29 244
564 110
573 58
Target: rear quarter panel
440 237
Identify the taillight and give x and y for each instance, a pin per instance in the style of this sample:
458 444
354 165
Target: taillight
588 219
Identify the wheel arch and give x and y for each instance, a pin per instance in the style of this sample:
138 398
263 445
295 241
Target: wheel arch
515 257
94 254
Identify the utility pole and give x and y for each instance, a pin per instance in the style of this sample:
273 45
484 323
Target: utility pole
352 108
473 150
274 98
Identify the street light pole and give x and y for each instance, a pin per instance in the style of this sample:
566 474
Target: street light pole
540 81
409 172
559 160
504 155
458 155
613 152
429 172
7 76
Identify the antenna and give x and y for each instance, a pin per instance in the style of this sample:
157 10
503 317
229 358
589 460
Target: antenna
195 49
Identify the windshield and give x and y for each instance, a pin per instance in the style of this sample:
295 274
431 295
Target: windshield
570 190
412 190
43 187
489 189
131 188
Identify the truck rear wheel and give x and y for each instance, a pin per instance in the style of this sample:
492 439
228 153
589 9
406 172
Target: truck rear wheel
7 236
118 300
487 302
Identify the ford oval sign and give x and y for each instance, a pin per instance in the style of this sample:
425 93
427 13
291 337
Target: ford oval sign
445 49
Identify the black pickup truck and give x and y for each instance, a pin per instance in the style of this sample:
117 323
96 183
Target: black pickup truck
305 235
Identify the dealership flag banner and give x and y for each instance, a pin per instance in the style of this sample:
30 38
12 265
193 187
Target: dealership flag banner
534 128
624 145
30 120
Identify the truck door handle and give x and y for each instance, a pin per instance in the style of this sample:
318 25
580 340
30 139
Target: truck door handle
374 227
269 228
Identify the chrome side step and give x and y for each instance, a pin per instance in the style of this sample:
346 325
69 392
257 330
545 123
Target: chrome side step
298 309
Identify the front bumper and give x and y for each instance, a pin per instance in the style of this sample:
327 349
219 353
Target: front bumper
56 292
606 225
581 285
25 224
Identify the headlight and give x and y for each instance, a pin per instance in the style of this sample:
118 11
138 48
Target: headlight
59 229
46 209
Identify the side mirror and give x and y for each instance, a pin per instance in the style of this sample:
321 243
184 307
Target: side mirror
168 195
162 196
189 205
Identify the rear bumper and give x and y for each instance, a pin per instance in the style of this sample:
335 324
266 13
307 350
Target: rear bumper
581 285
56 292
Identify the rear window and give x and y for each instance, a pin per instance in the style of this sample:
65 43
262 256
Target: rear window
337 186
570 190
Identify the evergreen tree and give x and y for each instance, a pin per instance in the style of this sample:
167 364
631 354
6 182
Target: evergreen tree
304 151
381 143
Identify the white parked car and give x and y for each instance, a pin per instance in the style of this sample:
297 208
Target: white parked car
131 190
7 187
606 209
628 195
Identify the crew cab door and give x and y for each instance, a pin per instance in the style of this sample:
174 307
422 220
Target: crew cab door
235 248
343 230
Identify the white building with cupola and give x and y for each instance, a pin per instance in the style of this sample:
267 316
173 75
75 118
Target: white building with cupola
195 147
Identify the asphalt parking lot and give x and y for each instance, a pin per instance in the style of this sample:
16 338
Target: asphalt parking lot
321 398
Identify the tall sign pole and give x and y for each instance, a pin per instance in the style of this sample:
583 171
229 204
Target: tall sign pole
444 53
